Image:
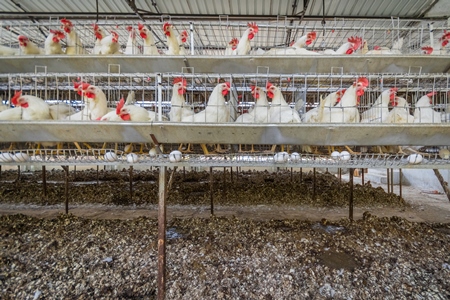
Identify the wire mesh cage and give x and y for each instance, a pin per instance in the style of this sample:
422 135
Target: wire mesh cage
214 37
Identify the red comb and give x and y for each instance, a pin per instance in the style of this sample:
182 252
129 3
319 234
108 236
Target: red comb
234 41
312 35
66 22
184 33
140 26
95 26
228 84
253 25
167 24
364 81
253 87
119 106
431 94
357 41
22 38
444 43
16 97
129 28
268 85
178 80
427 50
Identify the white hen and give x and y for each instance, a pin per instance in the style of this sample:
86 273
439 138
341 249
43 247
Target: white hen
74 45
243 47
313 116
379 111
280 111
149 42
179 109
424 112
353 43
260 112
400 112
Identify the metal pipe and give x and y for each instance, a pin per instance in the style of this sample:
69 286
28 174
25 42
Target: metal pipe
97 176
162 223
350 200
314 183
131 183
400 183
362 176
191 28
160 98
388 179
211 187
44 180
66 187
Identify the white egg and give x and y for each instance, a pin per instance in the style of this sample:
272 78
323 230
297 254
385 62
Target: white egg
110 156
175 156
20 157
415 159
335 155
444 153
295 156
281 157
345 155
6 157
152 152
132 158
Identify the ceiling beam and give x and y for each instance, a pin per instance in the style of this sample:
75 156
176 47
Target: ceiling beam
193 17
132 5
29 17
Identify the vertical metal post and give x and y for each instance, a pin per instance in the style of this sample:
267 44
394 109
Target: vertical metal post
131 183
162 234
184 172
392 180
340 175
400 183
97 174
291 174
231 174
159 80
18 173
66 187
0 171
350 200
191 28
211 179
314 183
44 180
301 175
362 176
74 172
388 181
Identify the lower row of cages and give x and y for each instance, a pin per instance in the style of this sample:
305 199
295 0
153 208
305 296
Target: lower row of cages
156 92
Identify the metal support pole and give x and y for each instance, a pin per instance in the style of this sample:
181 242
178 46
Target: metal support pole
291 174
74 172
97 175
350 201
340 175
231 174
388 179
162 233
159 80
66 187
191 29
400 183
18 173
44 180
392 180
131 183
211 179
314 183
301 175
362 176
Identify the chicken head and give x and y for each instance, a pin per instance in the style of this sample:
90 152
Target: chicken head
122 111
143 31
98 31
310 37
167 28
256 90
18 100
23 40
355 44
225 88
253 29
67 25
80 87
57 35
180 84
427 50
392 95
430 95
270 90
233 43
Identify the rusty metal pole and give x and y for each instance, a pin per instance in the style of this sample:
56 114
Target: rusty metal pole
211 179
350 201
362 176
44 180
400 183
162 223
314 183
131 183
66 187
388 179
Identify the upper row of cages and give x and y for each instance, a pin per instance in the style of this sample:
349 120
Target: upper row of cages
154 91
213 37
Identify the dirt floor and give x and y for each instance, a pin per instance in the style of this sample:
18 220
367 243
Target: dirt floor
424 206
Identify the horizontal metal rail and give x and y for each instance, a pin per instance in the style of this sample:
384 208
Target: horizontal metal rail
119 158
332 134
